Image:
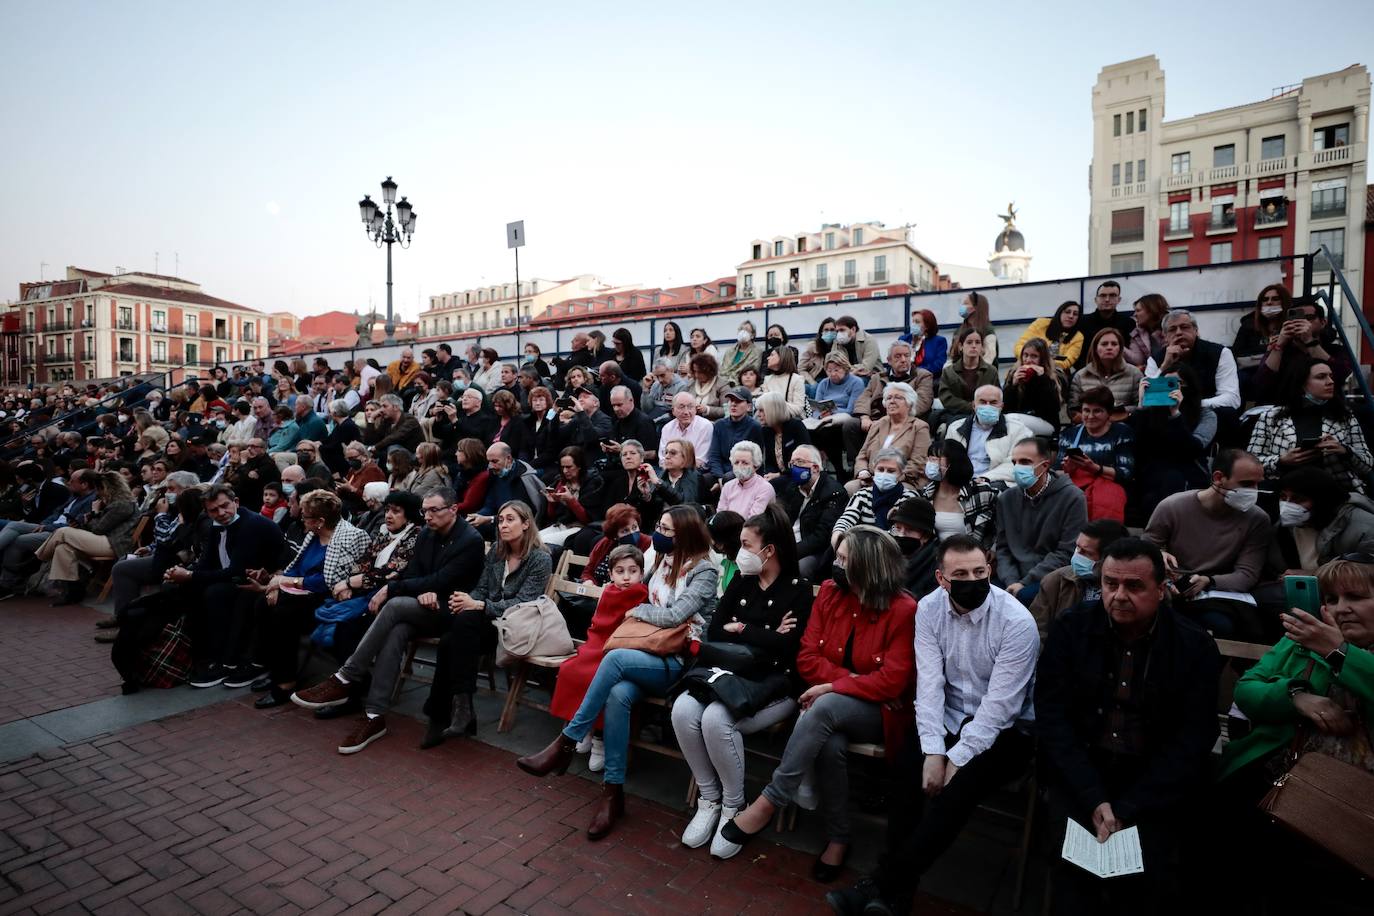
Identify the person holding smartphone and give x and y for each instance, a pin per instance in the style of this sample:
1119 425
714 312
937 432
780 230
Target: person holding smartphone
1313 427
1098 455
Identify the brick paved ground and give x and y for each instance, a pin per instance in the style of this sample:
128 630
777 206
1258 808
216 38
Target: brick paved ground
228 809
50 660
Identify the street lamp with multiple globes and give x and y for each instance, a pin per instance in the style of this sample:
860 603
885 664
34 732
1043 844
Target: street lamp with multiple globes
382 229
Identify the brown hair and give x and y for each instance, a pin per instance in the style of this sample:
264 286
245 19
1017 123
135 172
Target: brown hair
978 314
618 516
1285 300
473 451
706 363
691 542
1120 356
324 504
1156 307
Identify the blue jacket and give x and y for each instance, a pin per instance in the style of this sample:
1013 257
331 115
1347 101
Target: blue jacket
844 394
253 542
934 353
80 506
725 435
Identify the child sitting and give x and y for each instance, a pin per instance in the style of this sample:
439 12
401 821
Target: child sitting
624 592
273 501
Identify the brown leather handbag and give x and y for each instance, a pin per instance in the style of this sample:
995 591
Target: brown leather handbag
1327 802
634 633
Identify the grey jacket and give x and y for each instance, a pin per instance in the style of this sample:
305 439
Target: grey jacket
527 583
697 599
1036 536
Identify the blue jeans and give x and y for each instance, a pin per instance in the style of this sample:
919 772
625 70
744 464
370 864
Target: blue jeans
623 676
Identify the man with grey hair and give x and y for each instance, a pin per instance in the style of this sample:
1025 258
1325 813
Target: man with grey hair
342 430
813 501
255 470
689 425
659 388
629 422
397 427
1214 365
989 436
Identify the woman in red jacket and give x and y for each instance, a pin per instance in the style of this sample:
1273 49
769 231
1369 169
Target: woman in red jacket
858 655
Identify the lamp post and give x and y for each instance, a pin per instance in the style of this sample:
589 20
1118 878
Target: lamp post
382 229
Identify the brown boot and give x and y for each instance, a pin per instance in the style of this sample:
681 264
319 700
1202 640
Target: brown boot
552 759
608 811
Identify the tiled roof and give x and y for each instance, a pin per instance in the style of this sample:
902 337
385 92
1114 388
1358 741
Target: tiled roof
144 291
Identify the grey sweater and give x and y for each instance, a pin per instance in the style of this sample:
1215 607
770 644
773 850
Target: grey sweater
697 599
1036 536
527 583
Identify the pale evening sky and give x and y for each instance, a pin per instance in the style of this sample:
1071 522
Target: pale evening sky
640 144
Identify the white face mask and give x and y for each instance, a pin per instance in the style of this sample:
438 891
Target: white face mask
743 473
744 336
842 337
1292 515
933 471
749 563
1242 499
1271 311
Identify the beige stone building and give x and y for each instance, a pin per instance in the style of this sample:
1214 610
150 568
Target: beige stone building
497 308
1273 177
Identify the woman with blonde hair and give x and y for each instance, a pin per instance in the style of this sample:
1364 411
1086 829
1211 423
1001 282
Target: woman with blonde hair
432 473
517 570
106 534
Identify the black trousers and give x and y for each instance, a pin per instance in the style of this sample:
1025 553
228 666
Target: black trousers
470 636
220 618
279 631
920 828
140 624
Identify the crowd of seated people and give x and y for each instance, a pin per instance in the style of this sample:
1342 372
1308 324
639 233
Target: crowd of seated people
939 564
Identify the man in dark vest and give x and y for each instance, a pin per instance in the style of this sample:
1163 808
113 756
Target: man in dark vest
1214 366
1106 316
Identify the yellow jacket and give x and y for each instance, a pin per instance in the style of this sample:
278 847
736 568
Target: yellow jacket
1065 353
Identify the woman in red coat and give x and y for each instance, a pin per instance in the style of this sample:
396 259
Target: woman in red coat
858 655
624 592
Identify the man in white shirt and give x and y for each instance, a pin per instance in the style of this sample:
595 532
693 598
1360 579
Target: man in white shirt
1214 365
976 650
989 436
689 425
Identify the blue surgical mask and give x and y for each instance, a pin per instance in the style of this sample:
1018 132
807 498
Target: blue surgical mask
1083 568
1314 400
828 336
459 384
662 543
529 357
987 414
799 475
933 471
288 488
1024 475
963 311
884 480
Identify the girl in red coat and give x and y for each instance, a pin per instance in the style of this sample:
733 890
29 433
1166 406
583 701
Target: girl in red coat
858 655
624 592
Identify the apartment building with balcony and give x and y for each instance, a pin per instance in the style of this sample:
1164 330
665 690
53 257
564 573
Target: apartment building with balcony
498 307
834 264
94 325
1274 177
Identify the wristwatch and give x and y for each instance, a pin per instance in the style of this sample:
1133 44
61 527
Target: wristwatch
1336 658
1298 687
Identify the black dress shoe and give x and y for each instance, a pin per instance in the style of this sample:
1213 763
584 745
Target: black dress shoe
824 872
261 684
854 901
434 735
274 696
732 832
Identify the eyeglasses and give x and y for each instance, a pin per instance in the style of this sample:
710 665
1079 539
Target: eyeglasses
434 510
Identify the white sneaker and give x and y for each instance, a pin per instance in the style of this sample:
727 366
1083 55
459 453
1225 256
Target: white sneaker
721 848
585 744
597 762
702 825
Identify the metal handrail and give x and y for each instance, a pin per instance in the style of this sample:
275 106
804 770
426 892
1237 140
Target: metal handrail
1328 296
63 418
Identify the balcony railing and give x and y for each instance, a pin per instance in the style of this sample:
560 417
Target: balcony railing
59 356
126 324
206 332
1331 156
1328 210
221 334
770 291
1223 172
746 293
159 328
792 288
1128 235
160 360
849 281
877 277
821 284
1270 166
1222 221
1277 165
126 356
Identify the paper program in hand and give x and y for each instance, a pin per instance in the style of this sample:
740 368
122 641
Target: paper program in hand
1120 855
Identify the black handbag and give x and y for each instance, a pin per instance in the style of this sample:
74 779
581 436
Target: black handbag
742 696
737 658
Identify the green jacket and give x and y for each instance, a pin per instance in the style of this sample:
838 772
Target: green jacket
1262 694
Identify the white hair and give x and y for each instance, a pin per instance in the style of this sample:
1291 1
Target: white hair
749 448
906 391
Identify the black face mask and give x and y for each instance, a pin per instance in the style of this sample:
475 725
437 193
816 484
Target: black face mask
969 593
907 544
841 576
355 463
775 342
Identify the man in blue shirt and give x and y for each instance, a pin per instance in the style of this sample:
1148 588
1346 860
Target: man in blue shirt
738 425
503 485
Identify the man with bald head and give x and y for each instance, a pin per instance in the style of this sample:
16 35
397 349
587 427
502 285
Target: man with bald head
580 355
629 422
989 436
503 485
610 375
689 425
403 370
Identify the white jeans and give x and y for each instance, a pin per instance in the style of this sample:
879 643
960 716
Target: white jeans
713 743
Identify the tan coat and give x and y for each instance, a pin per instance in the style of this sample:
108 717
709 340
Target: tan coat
1059 591
912 439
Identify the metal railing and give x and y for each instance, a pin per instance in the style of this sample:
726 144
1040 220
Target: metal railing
1280 214
849 281
1226 220
1128 235
821 284
1328 298
126 324
876 277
